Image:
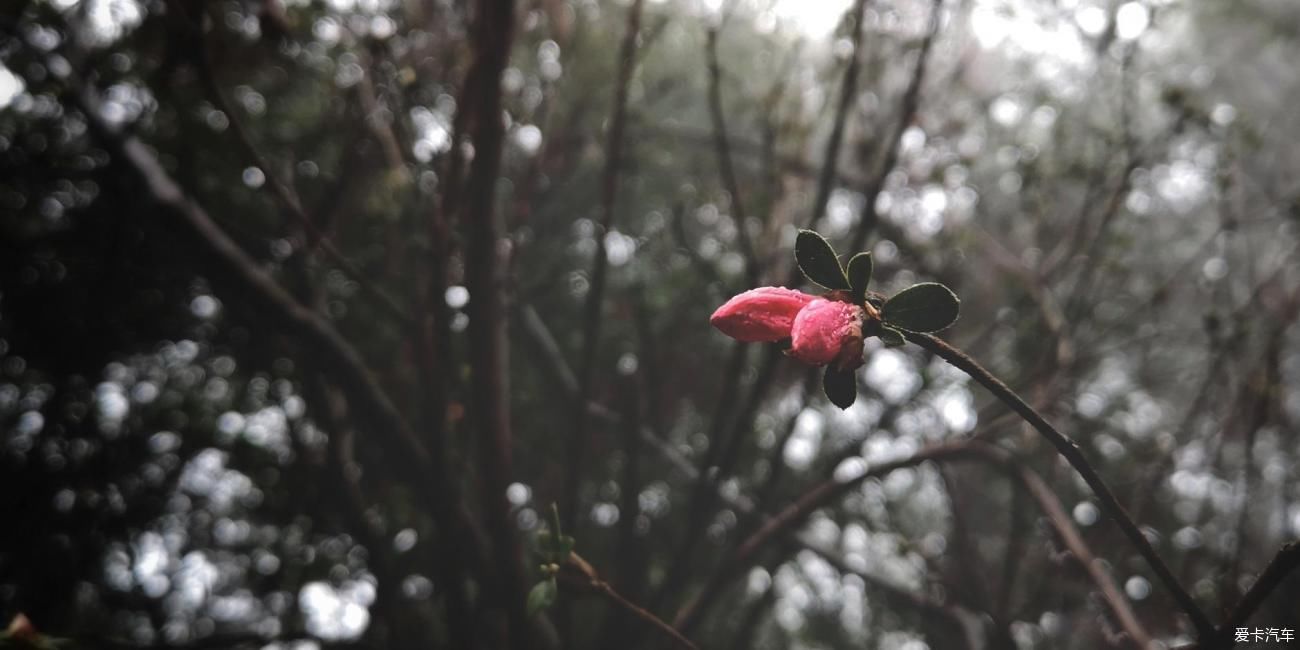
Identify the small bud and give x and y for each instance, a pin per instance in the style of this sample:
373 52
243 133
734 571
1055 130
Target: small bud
21 629
826 332
762 315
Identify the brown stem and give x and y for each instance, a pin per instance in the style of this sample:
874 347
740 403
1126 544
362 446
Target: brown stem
791 517
287 197
433 344
722 147
492 35
600 270
221 258
1059 519
225 259
908 105
1072 454
848 94
1286 560
600 587
703 493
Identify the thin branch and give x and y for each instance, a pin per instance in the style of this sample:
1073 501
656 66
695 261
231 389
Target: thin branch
586 580
968 623
1286 560
790 518
722 147
742 503
1072 454
287 197
631 555
848 93
1060 521
704 489
228 261
1258 395
976 587
223 260
432 340
599 274
1014 557
908 106
772 355
492 34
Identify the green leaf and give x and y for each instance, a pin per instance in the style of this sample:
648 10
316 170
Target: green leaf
818 262
541 596
926 307
860 275
841 386
564 548
892 337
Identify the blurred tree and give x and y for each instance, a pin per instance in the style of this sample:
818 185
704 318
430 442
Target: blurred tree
309 311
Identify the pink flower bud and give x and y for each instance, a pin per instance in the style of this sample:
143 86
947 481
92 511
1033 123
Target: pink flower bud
21 629
826 332
760 315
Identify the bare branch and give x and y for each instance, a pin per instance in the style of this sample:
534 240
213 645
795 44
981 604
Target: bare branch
1072 454
229 262
848 93
1069 535
1286 560
722 148
492 35
287 197
599 274
908 105
791 517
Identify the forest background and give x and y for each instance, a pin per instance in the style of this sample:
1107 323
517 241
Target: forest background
310 310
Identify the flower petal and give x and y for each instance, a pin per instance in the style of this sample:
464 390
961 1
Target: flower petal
763 315
826 332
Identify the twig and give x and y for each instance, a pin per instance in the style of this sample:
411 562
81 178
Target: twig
287 197
742 503
1069 535
966 622
976 587
600 270
629 567
792 516
228 264
433 344
908 105
232 264
491 34
1072 454
1257 397
848 94
590 582
722 147
1286 560
772 355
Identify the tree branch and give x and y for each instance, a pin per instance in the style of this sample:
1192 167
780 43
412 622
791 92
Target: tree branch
286 196
231 264
791 517
722 147
1072 454
600 270
908 105
1059 519
848 94
579 576
1286 560
492 34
